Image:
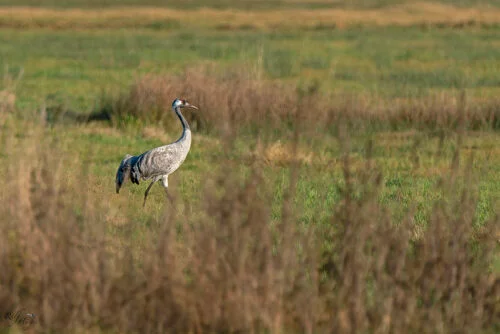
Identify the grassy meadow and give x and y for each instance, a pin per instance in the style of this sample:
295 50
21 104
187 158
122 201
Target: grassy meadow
344 174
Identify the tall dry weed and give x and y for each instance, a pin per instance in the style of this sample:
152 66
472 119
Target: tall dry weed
226 271
387 277
233 267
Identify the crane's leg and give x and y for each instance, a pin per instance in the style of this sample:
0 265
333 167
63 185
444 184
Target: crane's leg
164 181
146 193
168 195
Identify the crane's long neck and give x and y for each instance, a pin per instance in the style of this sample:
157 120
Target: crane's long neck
186 131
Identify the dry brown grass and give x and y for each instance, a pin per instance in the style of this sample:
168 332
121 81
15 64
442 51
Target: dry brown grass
231 267
7 101
282 154
224 101
424 14
237 100
8 91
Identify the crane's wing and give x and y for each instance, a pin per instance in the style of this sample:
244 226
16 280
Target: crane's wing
123 172
160 161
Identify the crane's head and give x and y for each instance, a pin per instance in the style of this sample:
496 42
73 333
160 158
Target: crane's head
180 103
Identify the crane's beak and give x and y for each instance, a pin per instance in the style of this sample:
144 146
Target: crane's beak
188 105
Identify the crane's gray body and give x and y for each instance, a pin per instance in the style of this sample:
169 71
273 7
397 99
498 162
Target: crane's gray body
164 160
158 163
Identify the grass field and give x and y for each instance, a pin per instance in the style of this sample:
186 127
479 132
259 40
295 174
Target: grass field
387 62
344 174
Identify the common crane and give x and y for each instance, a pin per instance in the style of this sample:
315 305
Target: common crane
158 163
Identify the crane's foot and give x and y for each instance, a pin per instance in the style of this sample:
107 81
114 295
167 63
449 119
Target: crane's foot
146 193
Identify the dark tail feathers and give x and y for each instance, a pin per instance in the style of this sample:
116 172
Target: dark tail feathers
123 172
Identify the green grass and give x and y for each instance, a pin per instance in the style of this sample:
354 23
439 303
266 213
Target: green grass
406 185
74 68
388 62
